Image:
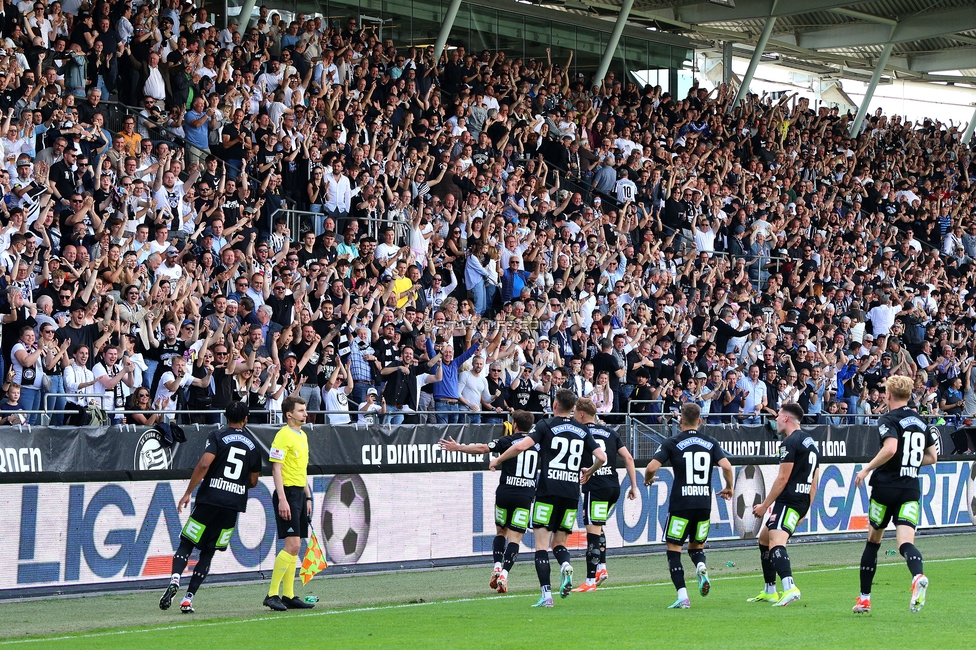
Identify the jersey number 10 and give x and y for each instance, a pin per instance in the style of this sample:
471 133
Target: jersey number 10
528 463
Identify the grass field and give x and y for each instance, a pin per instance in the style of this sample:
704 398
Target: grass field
453 609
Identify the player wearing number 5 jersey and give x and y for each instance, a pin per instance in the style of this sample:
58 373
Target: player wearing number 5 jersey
513 496
562 442
907 443
230 464
790 497
692 456
601 493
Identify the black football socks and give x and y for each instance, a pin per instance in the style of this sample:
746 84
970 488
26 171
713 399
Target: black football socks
781 561
869 564
912 556
498 549
768 569
592 554
677 571
511 554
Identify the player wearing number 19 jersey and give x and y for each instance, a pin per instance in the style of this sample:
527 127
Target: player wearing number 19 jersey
513 496
692 456
230 464
790 497
907 443
562 442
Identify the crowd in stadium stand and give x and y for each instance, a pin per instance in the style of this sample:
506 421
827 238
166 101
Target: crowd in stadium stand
477 233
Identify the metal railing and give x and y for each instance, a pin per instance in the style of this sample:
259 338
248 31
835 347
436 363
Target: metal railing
301 221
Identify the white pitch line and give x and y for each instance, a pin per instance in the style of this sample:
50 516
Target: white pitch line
378 608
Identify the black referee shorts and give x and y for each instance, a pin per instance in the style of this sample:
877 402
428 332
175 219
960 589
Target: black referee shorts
297 526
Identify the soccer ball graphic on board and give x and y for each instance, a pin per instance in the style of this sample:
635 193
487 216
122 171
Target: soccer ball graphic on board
345 519
750 490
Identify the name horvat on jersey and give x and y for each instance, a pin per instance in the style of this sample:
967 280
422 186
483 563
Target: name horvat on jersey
227 486
696 491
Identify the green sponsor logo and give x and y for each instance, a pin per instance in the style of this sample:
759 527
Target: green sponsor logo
520 517
224 538
193 530
501 516
599 510
909 512
790 519
876 512
569 519
542 513
676 527
702 533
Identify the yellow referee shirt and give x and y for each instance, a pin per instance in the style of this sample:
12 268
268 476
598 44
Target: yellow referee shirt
290 448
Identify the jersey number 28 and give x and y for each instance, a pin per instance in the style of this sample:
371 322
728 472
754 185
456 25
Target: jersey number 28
569 454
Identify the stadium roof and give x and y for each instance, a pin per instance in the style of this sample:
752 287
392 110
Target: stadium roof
932 40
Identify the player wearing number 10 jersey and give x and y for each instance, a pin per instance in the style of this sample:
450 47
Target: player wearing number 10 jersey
562 442
513 496
907 443
230 464
790 497
692 456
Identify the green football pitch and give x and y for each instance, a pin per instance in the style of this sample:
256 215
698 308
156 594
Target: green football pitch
453 608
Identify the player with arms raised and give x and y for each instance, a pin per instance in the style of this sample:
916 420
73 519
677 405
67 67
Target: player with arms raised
907 443
601 493
790 497
513 496
562 442
230 465
692 456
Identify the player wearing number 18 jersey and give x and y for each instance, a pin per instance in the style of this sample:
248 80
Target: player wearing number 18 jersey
692 456
790 497
601 492
513 496
907 443
562 442
230 464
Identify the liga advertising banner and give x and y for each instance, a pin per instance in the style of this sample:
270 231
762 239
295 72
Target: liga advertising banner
68 535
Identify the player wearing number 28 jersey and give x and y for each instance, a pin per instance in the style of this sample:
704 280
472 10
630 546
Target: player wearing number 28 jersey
562 442
513 496
230 464
907 443
790 497
692 456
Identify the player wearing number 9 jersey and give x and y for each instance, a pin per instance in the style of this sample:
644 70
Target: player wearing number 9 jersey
562 442
692 456
230 464
790 497
907 444
513 496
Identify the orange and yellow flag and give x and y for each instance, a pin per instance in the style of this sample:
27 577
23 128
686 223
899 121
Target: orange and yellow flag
314 560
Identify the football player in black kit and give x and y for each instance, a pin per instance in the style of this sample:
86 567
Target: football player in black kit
907 443
601 493
790 497
230 465
513 496
692 456
562 442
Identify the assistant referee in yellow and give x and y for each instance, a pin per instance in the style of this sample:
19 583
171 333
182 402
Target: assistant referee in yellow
292 502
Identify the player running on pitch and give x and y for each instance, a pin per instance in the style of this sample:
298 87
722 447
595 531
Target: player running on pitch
790 497
230 465
601 493
562 442
692 456
513 496
907 444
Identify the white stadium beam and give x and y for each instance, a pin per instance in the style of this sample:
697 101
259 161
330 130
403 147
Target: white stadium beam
920 27
946 60
707 12
743 90
618 29
862 110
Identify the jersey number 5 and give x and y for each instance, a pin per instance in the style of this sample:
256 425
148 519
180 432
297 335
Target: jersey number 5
234 466
563 448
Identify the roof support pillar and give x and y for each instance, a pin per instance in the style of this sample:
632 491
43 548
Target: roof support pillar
449 18
244 17
618 29
754 61
968 135
862 110
726 62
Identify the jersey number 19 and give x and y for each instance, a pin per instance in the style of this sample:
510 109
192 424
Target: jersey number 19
696 467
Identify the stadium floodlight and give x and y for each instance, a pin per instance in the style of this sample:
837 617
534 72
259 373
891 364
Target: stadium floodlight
724 3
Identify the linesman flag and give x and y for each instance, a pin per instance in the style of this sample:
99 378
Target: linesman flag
314 560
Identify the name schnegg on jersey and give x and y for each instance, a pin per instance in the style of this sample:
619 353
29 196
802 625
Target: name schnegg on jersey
568 475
